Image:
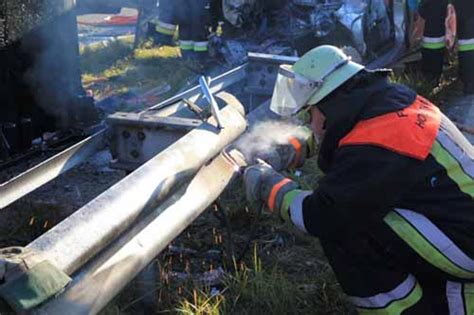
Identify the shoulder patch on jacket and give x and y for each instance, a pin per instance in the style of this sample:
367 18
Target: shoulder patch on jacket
410 132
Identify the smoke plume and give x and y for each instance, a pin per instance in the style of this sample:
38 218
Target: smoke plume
264 136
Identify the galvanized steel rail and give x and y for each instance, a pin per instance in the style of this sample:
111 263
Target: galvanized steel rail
70 244
95 285
46 171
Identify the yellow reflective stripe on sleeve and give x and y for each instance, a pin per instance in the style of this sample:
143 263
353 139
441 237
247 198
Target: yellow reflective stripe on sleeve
287 200
459 173
292 208
419 243
164 31
466 48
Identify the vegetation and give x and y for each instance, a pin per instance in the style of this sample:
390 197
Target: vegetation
449 85
116 69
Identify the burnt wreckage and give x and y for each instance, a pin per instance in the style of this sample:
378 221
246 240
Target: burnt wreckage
367 28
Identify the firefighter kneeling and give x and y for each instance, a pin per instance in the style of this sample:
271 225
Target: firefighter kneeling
394 211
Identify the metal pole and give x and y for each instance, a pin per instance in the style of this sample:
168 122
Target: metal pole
101 280
41 174
70 244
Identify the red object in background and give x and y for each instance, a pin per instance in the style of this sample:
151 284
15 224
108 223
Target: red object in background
451 27
121 20
113 20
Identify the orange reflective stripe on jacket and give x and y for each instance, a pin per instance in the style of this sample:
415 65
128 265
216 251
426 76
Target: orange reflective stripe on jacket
274 192
410 132
298 151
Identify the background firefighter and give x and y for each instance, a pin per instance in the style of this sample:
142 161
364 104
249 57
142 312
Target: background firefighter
188 18
434 42
394 209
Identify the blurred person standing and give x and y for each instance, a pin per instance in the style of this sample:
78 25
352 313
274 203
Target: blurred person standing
188 18
434 42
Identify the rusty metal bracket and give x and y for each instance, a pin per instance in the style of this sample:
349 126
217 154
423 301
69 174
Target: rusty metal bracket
195 109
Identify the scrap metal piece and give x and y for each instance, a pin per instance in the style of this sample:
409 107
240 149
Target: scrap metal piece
195 109
46 171
262 72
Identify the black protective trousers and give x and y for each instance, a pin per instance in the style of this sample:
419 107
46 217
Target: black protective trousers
383 276
192 17
434 12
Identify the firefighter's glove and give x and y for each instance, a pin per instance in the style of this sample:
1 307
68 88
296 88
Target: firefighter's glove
299 147
264 184
291 153
27 280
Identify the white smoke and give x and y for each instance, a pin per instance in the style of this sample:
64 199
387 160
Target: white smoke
266 135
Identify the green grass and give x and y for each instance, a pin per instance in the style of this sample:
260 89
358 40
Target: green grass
116 68
203 302
97 58
275 288
416 81
449 86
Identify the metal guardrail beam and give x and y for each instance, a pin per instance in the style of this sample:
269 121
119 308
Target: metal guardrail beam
97 284
46 171
110 271
72 243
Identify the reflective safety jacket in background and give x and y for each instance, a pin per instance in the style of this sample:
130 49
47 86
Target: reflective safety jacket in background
395 209
190 18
